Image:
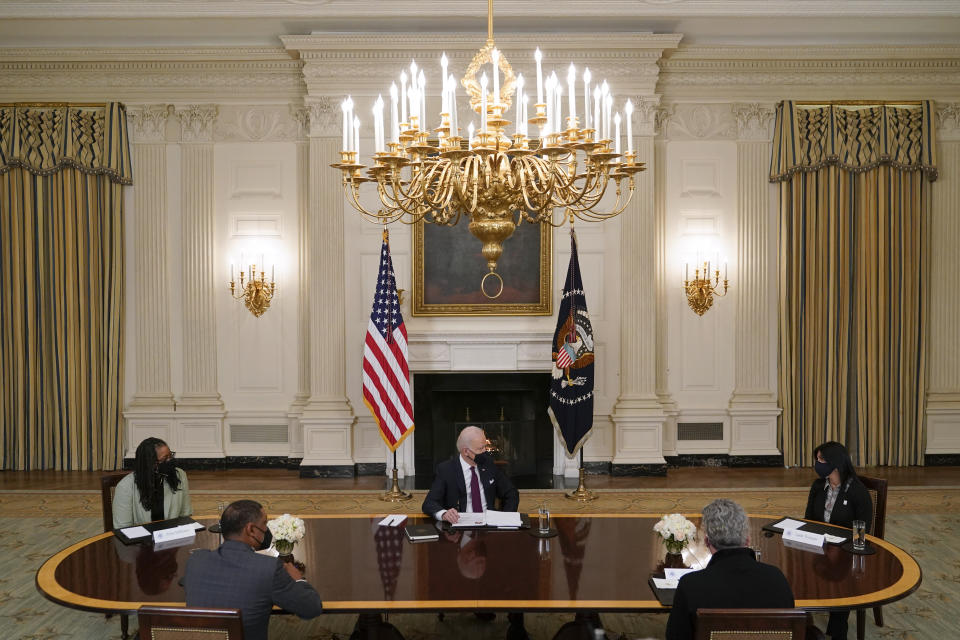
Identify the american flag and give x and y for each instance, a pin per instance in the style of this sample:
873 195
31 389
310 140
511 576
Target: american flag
386 376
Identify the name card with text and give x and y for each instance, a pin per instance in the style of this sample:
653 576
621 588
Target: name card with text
803 537
174 536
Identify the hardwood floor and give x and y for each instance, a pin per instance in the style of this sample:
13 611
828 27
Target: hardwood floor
677 478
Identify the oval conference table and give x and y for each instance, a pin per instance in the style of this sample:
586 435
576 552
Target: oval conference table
596 563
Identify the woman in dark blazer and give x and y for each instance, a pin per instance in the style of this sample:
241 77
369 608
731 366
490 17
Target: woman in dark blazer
837 497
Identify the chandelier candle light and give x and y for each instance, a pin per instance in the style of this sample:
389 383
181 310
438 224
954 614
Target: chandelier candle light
496 181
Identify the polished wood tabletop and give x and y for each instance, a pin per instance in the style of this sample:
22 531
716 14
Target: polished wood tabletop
595 563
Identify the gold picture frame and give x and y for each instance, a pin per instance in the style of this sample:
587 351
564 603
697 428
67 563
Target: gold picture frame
448 268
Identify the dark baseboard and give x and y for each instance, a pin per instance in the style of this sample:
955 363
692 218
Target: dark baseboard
371 468
699 460
328 471
942 459
596 468
231 462
658 470
757 461
723 460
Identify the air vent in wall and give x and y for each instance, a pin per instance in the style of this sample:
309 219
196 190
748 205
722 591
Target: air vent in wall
700 431
270 433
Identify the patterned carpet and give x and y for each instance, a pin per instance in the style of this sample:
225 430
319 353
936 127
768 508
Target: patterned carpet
35 525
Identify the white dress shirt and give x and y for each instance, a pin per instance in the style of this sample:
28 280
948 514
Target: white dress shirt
467 479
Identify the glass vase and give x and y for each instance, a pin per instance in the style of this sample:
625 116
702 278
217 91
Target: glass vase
284 549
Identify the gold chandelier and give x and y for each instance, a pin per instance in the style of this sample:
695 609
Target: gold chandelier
497 181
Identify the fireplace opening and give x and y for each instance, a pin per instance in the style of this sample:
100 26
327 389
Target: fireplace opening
510 407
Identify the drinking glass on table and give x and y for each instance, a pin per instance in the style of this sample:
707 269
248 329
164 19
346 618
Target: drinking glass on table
859 535
543 518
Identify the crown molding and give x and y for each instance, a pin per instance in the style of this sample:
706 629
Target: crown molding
514 9
156 54
364 63
147 80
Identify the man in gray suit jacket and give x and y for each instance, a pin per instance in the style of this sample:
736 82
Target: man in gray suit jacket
235 577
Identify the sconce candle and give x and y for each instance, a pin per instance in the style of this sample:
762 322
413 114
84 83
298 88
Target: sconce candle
256 293
701 290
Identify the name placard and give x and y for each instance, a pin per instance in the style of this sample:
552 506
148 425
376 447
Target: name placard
174 533
803 537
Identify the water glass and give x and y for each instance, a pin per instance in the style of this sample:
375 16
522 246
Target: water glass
757 553
543 518
859 535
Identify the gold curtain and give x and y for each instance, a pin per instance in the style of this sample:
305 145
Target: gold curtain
854 209
61 284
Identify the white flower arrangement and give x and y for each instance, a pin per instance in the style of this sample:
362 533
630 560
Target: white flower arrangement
287 531
675 531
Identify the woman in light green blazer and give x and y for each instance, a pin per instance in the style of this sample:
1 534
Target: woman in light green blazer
156 490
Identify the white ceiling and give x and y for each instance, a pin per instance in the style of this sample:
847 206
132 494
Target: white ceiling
70 23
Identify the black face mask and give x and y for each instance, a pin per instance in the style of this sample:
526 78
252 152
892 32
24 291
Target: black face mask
823 469
483 459
168 468
267 538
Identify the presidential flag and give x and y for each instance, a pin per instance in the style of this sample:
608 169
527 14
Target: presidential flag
571 385
386 376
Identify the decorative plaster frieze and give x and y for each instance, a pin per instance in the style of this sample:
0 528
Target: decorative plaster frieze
149 122
260 123
948 120
665 113
324 113
197 122
754 121
711 121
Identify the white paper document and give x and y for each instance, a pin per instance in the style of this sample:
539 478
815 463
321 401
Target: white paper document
787 524
664 583
676 574
196 526
833 539
393 520
490 518
135 532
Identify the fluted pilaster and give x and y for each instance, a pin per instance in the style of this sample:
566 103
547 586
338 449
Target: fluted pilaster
197 243
943 398
637 415
151 302
753 405
328 417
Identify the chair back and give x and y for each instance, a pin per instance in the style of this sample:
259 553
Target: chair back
751 624
181 623
878 495
108 482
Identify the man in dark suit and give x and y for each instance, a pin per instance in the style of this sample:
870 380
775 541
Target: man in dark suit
733 579
471 482
235 577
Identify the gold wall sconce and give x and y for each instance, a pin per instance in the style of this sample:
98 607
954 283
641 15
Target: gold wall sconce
701 290
255 292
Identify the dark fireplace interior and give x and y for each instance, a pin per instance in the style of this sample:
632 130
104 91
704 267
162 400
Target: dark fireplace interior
510 407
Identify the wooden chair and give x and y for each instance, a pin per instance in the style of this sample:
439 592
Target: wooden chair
878 495
751 624
108 482
181 623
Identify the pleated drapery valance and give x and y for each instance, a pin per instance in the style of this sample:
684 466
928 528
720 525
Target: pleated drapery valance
852 137
43 138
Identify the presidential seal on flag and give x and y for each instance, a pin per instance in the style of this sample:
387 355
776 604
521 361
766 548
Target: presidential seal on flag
571 384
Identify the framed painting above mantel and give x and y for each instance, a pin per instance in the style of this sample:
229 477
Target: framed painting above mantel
448 267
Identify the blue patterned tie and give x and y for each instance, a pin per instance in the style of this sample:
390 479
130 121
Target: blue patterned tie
475 491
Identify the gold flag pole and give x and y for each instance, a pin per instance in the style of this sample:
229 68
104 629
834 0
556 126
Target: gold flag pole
582 494
395 494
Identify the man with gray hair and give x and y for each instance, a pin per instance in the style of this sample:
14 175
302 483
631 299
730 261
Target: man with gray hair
733 579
